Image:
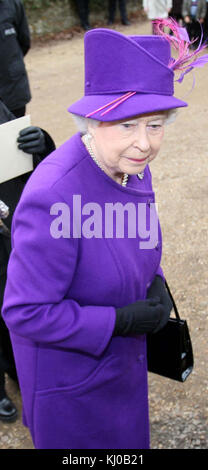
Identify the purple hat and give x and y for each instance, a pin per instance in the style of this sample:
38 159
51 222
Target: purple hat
125 76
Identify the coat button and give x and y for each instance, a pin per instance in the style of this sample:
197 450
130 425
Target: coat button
141 358
87 83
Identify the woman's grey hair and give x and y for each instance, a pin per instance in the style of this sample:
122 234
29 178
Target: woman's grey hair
171 115
82 122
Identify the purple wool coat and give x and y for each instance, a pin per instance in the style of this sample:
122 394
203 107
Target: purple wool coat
81 388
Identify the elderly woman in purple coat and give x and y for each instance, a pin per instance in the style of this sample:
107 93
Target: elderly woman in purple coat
85 283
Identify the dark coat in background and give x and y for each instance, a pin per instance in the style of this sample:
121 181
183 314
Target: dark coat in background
10 192
193 28
176 10
14 44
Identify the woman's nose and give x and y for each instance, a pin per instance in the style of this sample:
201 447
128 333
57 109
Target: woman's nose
141 139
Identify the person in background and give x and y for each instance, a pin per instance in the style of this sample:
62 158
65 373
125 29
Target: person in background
176 10
205 24
14 45
156 9
194 12
37 142
83 12
112 11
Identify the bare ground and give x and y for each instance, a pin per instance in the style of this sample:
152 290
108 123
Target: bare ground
178 412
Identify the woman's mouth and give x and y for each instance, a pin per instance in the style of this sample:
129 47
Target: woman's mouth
138 160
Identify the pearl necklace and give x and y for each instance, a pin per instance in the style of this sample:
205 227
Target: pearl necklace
86 140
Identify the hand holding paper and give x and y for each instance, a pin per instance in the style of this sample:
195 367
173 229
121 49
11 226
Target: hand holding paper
13 161
32 140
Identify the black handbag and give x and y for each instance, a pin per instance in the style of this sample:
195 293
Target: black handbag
169 351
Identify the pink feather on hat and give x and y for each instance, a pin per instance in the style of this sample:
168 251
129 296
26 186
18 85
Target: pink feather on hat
187 60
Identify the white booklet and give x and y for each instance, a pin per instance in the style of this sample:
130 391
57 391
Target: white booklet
13 162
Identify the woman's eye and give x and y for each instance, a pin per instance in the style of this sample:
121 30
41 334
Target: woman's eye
155 127
128 125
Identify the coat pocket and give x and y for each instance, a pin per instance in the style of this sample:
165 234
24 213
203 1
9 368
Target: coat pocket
63 416
97 375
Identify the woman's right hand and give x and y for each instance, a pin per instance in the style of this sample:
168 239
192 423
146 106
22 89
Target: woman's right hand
141 317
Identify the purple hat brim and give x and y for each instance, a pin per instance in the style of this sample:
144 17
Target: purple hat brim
140 103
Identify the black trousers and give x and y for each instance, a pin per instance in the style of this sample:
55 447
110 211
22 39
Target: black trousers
83 11
112 9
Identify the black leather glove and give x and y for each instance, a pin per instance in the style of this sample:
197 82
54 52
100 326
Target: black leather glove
32 140
158 289
139 318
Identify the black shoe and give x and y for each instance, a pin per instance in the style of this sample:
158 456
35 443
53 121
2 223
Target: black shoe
110 22
126 22
8 412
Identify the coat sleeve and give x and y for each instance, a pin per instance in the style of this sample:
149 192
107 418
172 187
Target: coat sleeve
49 148
5 114
22 28
159 272
40 272
38 157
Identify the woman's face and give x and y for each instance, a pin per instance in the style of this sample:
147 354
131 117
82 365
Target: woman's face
127 146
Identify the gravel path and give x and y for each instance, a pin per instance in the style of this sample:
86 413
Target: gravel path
178 412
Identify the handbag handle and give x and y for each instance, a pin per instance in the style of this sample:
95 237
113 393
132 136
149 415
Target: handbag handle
173 301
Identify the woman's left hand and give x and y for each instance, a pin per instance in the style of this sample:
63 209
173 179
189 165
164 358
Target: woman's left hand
158 289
